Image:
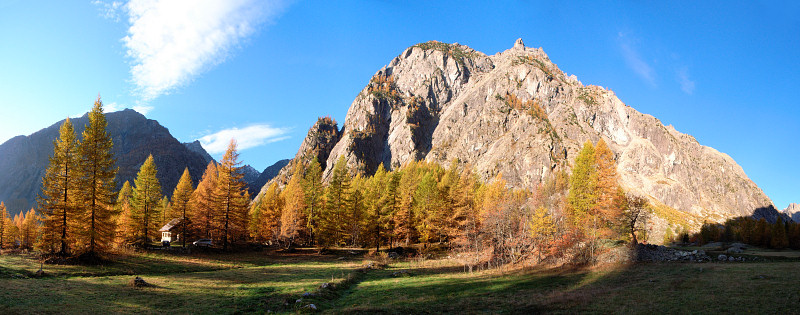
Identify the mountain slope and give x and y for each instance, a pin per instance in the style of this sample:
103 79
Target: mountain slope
517 114
23 159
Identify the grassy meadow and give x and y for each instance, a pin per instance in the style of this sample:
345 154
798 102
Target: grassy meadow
261 282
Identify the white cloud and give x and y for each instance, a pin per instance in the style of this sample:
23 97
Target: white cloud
109 10
114 107
634 59
687 85
172 41
248 137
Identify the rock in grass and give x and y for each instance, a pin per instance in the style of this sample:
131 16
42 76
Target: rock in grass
311 307
138 282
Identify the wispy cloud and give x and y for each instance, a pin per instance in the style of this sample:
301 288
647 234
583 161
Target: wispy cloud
109 9
687 85
635 60
248 137
172 41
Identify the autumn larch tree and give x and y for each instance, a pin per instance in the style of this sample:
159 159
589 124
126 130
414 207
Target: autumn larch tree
3 224
292 218
123 210
204 204
232 198
146 199
59 188
542 229
28 225
265 217
97 173
610 197
373 193
332 220
314 192
180 202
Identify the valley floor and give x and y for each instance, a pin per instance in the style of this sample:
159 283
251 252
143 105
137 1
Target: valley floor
258 282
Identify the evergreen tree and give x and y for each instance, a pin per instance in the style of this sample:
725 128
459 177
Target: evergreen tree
180 202
232 197
314 192
59 188
292 219
146 199
204 203
97 184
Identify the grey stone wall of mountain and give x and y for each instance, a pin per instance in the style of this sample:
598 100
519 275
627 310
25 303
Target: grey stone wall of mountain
446 101
793 211
23 159
196 147
268 174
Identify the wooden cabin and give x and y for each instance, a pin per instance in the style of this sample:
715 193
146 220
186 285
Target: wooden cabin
171 231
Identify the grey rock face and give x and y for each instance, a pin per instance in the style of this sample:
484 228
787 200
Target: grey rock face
518 114
793 211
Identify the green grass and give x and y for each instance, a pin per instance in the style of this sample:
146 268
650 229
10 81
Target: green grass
254 282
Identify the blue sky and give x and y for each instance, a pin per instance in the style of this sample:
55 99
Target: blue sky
263 71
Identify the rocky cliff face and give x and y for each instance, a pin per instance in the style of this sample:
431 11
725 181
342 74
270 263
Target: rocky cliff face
24 159
517 114
793 211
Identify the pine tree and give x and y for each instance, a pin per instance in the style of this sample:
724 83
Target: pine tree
3 225
59 188
180 202
314 192
232 197
97 184
292 219
146 199
204 203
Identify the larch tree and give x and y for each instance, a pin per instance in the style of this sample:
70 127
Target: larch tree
265 217
355 212
123 208
204 204
542 229
635 214
292 218
232 198
315 194
58 196
180 202
610 197
97 183
3 224
28 229
582 197
332 220
165 210
373 192
146 199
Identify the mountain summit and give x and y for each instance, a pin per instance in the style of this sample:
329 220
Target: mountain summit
517 114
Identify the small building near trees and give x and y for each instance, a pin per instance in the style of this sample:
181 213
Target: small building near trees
171 231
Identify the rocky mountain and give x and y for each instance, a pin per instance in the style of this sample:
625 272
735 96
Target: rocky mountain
268 174
793 211
196 147
518 114
23 159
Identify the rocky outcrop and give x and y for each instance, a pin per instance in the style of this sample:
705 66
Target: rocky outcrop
770 214
793 211
518 114
24 159
196 147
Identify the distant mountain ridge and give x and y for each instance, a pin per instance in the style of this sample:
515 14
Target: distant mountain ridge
24 159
